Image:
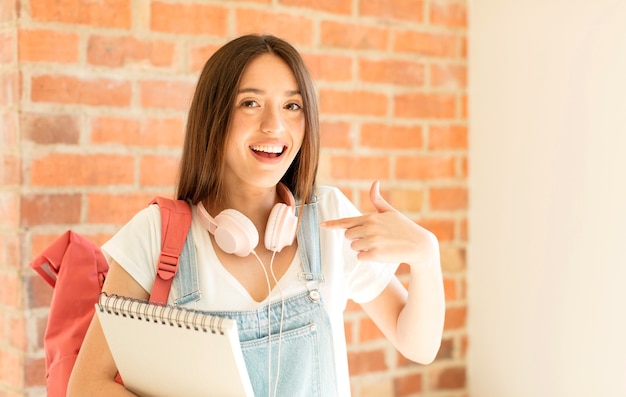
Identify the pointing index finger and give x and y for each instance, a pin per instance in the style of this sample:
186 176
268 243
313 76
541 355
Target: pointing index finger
342 223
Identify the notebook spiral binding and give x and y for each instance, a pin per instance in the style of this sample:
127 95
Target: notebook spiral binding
165 314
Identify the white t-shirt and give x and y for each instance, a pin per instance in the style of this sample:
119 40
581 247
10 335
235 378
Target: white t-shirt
137 245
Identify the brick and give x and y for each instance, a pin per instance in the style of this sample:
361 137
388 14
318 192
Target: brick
403 269
450 378
392 71
352 306
368 331
464 109
118 130
199 55
84 91
39 293
463 49
360 167
46 209
8 132
9 205
448 198
166 132
376 388
115 209
407 199
9 88
7 48
463 171
366 361
406 385
442 45
11 368
45 129
103 13
67 169
11 170
342 7
447 137
353 36
127 50
449 14
425 167
424 106
10 253
386 136
158 170
448 76
40 45
8 10
10 291
453 258
406 10
336 135
17 331
442 228
35 372
463 230
464 345
456 318
298 29
353 102
446 350
403 200
463 287
41 322
450 289
39 242
151 132
164 94
189 18
329 67
348 327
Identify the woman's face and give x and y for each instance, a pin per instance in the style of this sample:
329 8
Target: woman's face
267 125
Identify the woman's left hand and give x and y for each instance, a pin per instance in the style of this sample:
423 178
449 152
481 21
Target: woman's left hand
387 236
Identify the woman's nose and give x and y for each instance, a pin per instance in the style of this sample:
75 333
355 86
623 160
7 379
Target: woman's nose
272 121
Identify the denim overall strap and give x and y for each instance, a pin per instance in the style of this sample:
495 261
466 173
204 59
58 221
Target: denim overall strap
309 242
186 281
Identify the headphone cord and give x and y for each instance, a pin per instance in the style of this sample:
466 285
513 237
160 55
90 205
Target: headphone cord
282 313
269 326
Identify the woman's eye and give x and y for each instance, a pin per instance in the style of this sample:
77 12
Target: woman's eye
293 106
249 104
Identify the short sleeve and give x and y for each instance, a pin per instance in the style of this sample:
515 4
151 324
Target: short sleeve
136 246
363 281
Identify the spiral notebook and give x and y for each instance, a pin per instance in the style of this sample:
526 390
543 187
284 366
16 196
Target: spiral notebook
173 351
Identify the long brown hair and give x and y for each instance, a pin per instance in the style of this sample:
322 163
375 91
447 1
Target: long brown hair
210 113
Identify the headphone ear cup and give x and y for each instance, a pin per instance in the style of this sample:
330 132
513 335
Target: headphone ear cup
281 227
235 233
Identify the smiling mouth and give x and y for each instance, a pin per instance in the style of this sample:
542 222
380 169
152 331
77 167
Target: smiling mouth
268 150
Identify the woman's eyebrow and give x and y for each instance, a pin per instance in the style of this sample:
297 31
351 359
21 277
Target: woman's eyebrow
258 91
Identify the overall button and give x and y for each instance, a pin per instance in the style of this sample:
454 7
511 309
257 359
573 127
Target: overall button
314 296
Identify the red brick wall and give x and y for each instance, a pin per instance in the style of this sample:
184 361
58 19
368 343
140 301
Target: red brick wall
92 106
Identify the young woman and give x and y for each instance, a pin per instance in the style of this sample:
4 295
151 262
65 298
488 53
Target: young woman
252 150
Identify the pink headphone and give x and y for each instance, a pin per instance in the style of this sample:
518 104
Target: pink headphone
236 234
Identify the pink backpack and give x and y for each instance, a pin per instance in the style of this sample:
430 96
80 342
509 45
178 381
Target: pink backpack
76 269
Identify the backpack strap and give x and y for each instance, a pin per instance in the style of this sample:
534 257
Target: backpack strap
175 224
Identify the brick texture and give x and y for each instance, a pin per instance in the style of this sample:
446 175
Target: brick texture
93 101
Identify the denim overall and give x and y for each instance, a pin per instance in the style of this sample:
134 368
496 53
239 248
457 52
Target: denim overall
304 345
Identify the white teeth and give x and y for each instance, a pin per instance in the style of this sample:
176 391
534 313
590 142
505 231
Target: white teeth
267 148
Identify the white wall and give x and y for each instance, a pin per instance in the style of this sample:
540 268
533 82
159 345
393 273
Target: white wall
547 253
